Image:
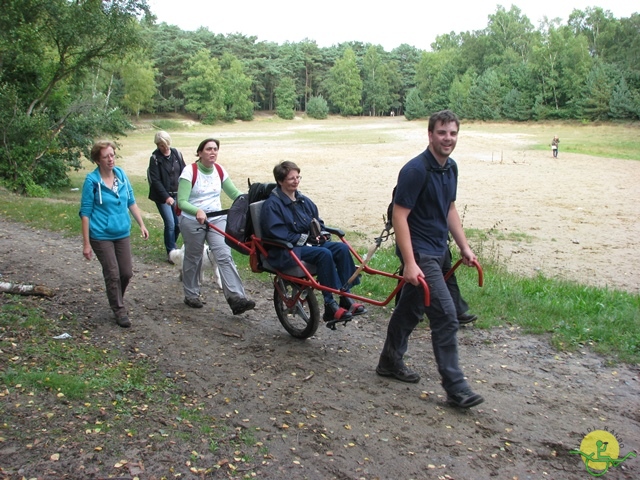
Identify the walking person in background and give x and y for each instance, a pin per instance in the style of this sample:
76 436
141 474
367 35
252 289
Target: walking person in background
422 220
199 193
555 145
165 166
107 199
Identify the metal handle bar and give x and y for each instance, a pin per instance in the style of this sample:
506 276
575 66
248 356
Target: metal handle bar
475 264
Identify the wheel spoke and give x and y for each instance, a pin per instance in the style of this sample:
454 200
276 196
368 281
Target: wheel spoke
302 318
301 311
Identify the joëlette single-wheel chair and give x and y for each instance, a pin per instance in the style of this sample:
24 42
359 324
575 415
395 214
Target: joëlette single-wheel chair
294 298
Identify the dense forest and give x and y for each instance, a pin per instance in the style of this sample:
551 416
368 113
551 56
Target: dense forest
74 69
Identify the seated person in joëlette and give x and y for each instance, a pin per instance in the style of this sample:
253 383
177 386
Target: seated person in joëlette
287 215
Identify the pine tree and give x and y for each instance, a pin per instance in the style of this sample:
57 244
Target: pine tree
414 107
345 84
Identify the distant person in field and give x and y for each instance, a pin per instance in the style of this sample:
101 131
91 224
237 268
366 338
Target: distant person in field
555 145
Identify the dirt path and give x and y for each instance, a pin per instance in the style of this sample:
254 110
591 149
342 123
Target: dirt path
321 411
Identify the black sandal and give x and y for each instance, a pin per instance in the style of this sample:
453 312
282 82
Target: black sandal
334 314
352 307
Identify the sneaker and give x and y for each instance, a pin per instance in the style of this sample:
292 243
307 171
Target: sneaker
464 398
352 307
193 302
465 318
123 321
403 373
242 305
169 261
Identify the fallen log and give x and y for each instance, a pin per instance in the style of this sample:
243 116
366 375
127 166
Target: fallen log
19 289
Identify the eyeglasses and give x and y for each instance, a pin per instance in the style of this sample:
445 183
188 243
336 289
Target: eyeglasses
294 179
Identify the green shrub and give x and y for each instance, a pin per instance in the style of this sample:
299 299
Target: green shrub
317 108
168 124
285 113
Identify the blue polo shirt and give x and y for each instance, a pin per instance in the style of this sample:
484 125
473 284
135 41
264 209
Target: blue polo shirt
429 206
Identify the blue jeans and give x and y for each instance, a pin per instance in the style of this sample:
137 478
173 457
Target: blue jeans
171 226
443 322
334 265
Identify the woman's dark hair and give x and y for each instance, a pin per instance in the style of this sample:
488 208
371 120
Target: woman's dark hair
204 142
281 170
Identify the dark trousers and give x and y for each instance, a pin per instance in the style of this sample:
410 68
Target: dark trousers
452 285
171 225
443 322
117 270
334 265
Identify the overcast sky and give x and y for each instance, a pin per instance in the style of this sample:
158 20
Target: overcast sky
388 23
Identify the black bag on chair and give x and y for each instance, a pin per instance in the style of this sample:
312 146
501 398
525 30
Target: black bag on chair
237 219
315 230
239 224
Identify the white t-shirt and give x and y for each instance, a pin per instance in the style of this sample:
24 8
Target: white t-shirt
205 193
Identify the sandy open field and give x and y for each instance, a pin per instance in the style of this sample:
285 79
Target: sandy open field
575 217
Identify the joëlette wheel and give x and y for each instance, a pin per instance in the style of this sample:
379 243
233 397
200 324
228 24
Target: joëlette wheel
296 307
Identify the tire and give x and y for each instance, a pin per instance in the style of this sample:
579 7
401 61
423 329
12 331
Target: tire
302 319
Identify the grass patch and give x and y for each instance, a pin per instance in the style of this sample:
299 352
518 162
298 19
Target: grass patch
575 316
168 124
69 368
611 140
74 392
58 216
475 235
